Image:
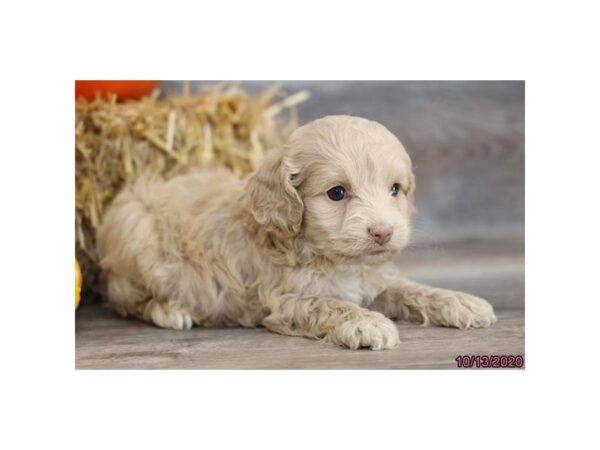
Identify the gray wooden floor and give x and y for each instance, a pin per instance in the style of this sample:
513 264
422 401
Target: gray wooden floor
491 267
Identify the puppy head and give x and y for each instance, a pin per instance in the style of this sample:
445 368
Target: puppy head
342 186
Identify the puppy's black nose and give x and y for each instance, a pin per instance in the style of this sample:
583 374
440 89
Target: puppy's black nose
381 233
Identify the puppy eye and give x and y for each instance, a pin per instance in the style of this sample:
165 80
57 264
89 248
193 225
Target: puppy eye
395 189
337 193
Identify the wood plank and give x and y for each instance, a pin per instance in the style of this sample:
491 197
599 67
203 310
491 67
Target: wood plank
105 341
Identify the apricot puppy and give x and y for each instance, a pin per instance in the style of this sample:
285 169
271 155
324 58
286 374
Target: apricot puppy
302 246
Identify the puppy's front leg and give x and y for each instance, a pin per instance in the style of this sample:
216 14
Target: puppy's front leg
420 303
332 320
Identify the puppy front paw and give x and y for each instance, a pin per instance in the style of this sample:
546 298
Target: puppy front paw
461 310
369 329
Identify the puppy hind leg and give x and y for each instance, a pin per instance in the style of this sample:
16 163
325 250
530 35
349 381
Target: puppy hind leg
130 298
167 281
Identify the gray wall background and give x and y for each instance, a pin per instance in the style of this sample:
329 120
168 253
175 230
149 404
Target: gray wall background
466 140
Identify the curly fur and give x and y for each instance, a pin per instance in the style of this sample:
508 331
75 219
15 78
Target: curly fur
274 250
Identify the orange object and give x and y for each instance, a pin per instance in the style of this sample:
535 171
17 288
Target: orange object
124 89
78 281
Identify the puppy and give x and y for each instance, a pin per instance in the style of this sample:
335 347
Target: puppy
302 246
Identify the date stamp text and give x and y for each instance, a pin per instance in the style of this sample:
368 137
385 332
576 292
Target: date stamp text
490 361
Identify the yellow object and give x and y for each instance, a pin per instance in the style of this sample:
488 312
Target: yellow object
78 281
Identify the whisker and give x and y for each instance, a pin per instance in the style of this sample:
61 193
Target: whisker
431 240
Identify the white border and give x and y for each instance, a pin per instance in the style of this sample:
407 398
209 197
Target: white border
48 45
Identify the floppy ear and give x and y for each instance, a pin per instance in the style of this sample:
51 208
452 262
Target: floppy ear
273 201
410 193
